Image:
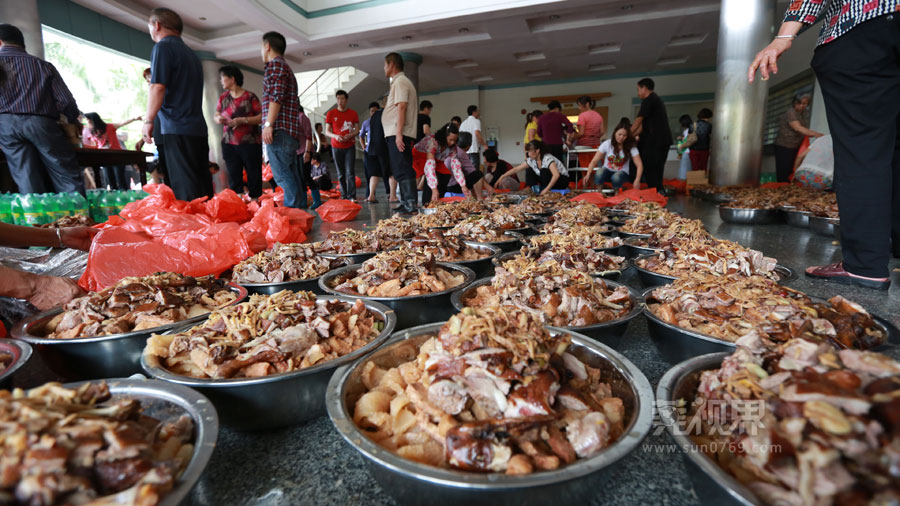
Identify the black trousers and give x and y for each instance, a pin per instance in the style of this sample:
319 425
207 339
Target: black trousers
443 184
401 163
654 159
378 166
784 162
241 157
860 78
187 162
561 184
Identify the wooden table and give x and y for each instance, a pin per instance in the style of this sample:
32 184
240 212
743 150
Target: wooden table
96 158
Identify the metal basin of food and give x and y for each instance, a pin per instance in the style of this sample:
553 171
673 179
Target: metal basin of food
676 344
613 275
112 356
633 249
414 309
649 278
822 225
309 285
796 218
609 333
165 401
515 240
837 231
419 484
719 197
20 351
712 484
482 266
746 216
352 258
276 400
625 235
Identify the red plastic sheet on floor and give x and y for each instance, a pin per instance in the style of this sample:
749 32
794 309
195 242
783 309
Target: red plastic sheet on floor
648 195
337 210
161 233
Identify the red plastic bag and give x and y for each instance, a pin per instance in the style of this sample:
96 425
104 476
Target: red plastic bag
267 172
227 206
451 199
277 224
774 185
648 195
358 182
117 252
336 210
594 198
679 185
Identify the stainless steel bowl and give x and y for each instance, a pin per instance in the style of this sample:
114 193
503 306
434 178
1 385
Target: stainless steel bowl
419 484
276 400
748 216
719 197
21 353
428 210
412 310
676 344
610 333
625 235
613 275
712 484
112 356
796 218
299 285
515 240
633 249
352 258
165 401
482 266
650 278
837 231
822 225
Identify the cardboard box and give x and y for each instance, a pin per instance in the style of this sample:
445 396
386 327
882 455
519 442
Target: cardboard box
697 177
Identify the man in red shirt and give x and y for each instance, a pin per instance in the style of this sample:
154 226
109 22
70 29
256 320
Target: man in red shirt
342 125
552 128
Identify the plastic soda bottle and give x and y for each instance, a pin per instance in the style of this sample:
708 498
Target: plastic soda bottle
108 206
50 208
31 210
6 215
81 205
18 214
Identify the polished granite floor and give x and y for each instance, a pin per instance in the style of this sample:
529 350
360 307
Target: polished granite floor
311 464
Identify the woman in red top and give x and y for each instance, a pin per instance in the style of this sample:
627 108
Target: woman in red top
102 135
240 113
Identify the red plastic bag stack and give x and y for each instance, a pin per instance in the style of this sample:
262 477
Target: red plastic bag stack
648 195
337 210
161 233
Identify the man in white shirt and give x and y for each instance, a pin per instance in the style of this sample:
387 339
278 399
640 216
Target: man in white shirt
399 121
472 124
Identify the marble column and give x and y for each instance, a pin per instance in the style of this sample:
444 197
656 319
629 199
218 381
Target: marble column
745 27
212 88
411 62
24 15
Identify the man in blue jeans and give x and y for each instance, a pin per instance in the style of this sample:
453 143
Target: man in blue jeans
281 119
32 96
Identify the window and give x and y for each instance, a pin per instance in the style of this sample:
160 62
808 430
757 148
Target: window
779 102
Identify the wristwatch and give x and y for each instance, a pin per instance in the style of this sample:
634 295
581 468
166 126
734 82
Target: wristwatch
267 124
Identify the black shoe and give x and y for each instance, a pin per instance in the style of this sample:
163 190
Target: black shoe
403 208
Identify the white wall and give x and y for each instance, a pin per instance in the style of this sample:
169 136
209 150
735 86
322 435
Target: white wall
501 107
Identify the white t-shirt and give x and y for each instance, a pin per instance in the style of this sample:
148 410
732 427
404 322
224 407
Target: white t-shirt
545 164
615 161
470 125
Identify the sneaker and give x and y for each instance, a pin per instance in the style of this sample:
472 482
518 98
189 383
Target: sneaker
836 273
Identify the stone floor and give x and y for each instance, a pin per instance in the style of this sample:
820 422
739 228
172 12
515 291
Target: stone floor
311 464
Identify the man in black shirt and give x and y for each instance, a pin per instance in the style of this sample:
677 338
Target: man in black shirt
652 125
423 127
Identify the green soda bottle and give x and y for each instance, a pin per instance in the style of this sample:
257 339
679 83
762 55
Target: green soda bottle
50 208
6 215
108 206
31 210
67 204
80 205
17 212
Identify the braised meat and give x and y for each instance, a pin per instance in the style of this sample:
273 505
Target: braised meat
284 262
401 272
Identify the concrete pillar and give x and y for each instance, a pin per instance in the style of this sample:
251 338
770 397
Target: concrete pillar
745 27
211 91
24 15
411 62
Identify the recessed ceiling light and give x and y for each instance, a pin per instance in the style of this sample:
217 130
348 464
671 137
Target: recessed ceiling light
688 39
354 45
406 37
627 7
529 56
462 64
463 30
673 61
482 79
609 47
539 73
554 17
307 53
202 18
599 67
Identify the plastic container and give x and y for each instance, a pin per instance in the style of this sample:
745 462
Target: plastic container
6 214
31 210
17 212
